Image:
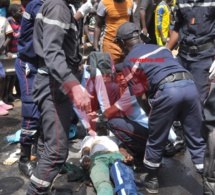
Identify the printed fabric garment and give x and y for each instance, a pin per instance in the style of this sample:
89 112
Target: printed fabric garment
162 21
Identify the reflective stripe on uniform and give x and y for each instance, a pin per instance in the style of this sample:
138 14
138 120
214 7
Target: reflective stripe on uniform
73 27
40 182
196 4
56 22
199 166
137 63
28 132
151 164
26 15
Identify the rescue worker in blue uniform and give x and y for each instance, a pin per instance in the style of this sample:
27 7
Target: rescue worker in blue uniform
55 41
195 31
172 94
26 66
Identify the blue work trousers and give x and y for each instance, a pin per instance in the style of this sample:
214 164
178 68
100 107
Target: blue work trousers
30 124
200 71
133 135
178 100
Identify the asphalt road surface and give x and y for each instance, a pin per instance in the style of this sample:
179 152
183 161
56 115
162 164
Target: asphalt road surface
177 175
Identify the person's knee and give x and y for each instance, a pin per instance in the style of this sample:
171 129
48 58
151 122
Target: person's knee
30 109
59 155
112 124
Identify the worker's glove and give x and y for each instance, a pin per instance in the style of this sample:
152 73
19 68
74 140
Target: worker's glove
85 8
212 71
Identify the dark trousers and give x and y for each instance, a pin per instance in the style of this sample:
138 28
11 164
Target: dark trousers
177 100
55 108
133 135
209 133
200 71
30 113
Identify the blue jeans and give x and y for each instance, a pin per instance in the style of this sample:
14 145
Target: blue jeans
177 100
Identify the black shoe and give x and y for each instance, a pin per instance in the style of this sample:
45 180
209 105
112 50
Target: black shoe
27 168
150 183
173 148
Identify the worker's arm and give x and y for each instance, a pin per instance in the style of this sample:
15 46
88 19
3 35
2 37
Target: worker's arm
143 7
173 40
111 112
179 20
143 21
120 106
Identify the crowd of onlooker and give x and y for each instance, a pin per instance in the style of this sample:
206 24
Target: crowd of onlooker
11 15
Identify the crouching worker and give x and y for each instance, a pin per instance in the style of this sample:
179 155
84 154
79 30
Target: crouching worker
131 125
172 94
98 154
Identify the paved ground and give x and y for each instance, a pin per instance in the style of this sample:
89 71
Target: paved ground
177 175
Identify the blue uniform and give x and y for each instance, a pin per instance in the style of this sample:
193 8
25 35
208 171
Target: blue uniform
196 26
173 95
132 129
26 66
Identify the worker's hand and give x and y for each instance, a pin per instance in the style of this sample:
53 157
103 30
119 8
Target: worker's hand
85 162
81 98
212 71
93 116
144 31
85 8
9 55
128 159
91 132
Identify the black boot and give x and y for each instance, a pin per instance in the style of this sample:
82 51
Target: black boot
26 166
150 181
